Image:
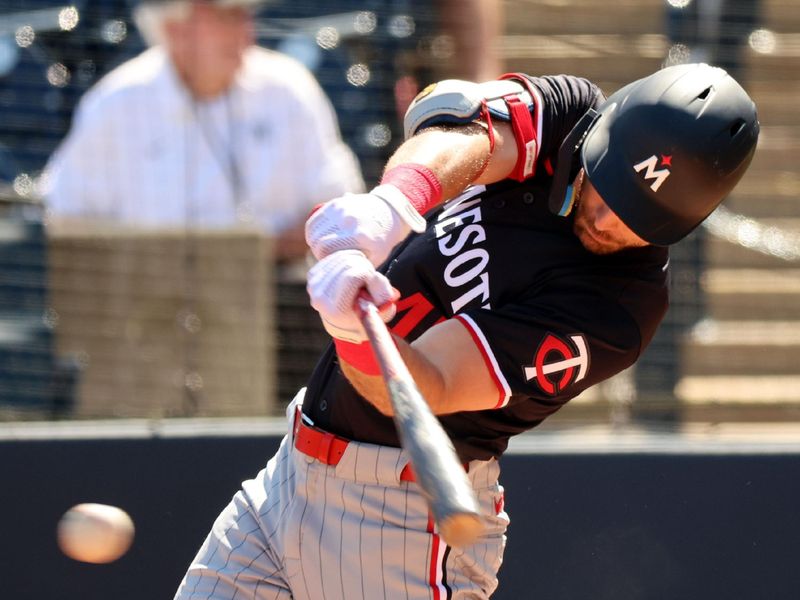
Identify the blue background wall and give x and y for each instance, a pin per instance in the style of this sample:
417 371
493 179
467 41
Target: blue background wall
593 525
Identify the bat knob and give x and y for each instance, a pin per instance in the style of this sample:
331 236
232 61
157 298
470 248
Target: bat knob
461 529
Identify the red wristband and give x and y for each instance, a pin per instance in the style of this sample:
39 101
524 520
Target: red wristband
359 356
419 184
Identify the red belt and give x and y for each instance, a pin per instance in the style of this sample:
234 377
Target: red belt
326 447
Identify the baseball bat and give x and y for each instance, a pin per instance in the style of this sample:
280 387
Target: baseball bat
439 474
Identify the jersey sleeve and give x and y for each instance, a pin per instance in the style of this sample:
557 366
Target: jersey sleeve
564 100
550 347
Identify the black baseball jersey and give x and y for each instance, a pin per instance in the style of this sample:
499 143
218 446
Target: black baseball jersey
550 318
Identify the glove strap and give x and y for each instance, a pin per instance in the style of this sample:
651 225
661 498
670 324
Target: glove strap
359 356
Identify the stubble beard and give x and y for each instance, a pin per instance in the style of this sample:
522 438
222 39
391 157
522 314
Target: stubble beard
596 242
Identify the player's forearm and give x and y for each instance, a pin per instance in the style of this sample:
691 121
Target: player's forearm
460 156
428 379
446 365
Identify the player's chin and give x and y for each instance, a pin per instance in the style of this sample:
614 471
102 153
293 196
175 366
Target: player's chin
595 244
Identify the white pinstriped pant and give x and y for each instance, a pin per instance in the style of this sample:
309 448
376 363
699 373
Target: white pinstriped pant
305 530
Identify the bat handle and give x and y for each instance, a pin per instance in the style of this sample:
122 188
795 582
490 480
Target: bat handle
390 363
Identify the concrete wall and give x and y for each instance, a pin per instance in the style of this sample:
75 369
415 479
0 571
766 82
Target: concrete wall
585 525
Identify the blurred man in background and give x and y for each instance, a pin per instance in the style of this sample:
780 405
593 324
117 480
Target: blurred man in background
467 34
475 27
202 130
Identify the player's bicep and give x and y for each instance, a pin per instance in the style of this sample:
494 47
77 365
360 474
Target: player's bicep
464 381
503 157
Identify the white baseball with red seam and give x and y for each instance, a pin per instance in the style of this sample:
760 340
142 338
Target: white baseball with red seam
95 533
333 286
373 223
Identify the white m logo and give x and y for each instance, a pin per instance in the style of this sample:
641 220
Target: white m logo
651 173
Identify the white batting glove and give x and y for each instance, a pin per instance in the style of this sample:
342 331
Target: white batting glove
373 223
335 282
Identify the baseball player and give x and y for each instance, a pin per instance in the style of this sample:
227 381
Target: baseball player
518 248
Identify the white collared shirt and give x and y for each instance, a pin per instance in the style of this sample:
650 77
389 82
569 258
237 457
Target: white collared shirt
141 152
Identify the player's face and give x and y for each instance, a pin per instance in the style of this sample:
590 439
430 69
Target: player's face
599 229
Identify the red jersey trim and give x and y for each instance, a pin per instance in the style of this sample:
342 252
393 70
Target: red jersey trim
436 568
504 390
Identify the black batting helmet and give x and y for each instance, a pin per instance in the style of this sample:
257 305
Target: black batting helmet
665 150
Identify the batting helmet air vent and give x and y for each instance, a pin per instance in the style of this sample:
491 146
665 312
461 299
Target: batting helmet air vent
665 150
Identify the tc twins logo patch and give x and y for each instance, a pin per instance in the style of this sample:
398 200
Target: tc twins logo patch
559 362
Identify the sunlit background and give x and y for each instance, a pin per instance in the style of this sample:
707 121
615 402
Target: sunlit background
109 326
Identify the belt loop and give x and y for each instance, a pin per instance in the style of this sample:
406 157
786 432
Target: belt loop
324 449
297 420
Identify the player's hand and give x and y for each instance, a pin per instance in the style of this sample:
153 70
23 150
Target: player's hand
373 223
335 282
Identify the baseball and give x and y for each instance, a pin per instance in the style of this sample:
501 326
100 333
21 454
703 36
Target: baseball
95 533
